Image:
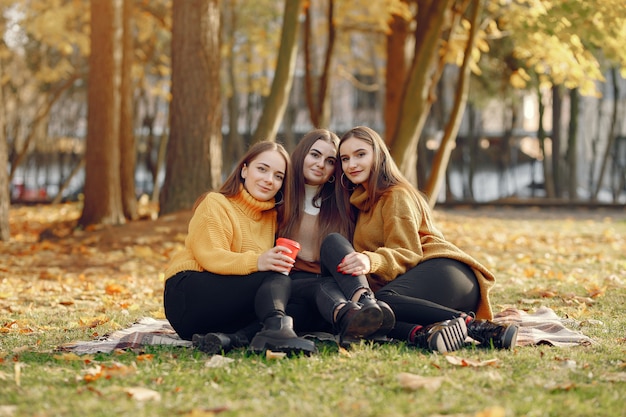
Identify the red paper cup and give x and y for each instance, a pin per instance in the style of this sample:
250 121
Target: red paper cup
291 244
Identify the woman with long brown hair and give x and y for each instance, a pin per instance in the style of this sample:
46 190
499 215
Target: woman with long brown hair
229 280
347 305
438 293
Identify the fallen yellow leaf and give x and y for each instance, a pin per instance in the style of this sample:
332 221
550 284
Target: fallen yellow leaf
142 394
414 382
455 360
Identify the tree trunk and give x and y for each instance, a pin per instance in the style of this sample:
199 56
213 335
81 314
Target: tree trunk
194 146
276 103
473 149
595 140
5 195
442 157
103 197
234 146
556 140
572 146
541 136
77 168
160 162
415 99
318 103
395 76
128 154
610 137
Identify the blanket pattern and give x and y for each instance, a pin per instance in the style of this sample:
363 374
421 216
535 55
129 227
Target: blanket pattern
540 327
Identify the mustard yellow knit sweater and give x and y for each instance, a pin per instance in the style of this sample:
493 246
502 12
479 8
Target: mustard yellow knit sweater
226 235
398 233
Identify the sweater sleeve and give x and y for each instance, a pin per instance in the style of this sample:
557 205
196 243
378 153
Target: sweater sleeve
401 248
212 240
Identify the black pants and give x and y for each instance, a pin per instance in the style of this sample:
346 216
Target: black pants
432 291
314 299
203 302
303 307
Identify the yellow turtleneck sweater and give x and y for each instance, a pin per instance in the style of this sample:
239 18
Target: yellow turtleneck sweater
398 233
226 235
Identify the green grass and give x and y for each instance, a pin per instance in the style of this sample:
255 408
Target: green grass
531 381
576 267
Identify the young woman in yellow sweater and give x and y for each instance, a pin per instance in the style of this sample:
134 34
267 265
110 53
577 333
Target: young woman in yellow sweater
423 277
230 278
348 304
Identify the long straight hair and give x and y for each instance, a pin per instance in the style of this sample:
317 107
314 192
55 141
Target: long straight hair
330 218
233 182
384 173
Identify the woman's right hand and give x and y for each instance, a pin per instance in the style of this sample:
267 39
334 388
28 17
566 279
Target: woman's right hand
355 263
275 259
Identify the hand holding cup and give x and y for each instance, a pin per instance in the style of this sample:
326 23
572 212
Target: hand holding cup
292 245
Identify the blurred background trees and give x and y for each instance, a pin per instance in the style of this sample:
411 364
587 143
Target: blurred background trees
478 100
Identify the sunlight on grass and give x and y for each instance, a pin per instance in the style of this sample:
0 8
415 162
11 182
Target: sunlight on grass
81 288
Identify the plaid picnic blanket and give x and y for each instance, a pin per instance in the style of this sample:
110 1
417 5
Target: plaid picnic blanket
147 331
540 327
543 326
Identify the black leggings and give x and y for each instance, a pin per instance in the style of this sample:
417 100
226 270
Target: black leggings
314 298
434 290
203 302
303 304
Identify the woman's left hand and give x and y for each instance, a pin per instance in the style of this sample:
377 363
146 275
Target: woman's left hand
355 263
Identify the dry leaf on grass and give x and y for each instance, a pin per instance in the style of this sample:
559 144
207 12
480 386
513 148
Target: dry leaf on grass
491 412
142 394
413 382
274 355
91 322
8 410
205 412
455 360
108 371
218 361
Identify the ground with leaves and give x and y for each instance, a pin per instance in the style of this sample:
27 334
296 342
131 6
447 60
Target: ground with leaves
59 284
51 266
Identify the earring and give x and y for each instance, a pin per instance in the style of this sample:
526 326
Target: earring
331 179
345 187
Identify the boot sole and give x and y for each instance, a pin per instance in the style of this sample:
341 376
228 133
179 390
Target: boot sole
365 322
290 347
389 322
450 337
208 343
509 338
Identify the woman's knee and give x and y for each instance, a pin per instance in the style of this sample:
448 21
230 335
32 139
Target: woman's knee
334 240
334 248
386 294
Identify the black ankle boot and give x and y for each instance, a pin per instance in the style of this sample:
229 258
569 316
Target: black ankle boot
213 343
355 322
492 335
278 335
389 318
445 336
